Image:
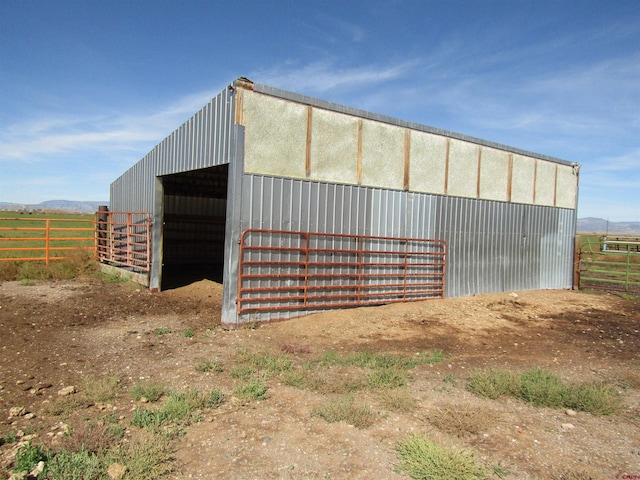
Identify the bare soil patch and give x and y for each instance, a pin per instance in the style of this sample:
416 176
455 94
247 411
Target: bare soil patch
55 334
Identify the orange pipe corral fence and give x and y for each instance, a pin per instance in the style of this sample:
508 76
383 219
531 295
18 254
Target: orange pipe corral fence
121 239
47 241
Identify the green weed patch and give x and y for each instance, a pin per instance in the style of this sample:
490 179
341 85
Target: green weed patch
541 388
421 458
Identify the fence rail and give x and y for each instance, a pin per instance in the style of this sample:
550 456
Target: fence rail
601 267
620 244
284 270
44 239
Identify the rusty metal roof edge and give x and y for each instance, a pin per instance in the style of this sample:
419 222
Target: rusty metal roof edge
316 102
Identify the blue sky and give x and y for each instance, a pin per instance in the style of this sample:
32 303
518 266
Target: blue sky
89 87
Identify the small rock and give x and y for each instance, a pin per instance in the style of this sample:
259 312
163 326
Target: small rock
17 411
30 415
513 294
116 471
70 390
567 426
571 413
37 470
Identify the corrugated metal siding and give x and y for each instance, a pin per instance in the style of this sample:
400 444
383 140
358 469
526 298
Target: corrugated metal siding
497 247
202 141
492 246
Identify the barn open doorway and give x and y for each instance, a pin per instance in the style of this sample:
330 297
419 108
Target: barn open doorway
194 217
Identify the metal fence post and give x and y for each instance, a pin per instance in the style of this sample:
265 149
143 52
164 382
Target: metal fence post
628 267
101 231
47 241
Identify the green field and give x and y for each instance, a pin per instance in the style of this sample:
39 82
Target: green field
24 235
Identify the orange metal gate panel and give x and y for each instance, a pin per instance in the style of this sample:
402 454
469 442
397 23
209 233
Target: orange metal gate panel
123 239
284 270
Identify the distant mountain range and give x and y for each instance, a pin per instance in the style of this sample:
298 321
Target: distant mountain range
585 225
600 225
57 205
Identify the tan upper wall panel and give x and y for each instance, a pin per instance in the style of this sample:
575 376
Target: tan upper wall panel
545 183
566 187
275 136
523 174
382 155
334 147
462 171
428 163
494 174
291 139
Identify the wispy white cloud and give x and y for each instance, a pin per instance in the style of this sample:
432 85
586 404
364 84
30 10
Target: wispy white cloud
351 31
591 99
611 182
328 30
617 177
58 133
36 181
325 75
628 161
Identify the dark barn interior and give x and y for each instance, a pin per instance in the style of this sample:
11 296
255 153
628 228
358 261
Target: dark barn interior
194 216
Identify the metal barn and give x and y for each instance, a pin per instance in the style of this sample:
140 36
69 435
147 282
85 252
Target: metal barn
298 205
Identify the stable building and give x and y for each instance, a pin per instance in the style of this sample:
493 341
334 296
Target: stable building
298 205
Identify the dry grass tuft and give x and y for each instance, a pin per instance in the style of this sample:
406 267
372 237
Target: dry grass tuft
397 399
630 377
464 420
346 409
573 475
9 271
295 349
65 406
104 389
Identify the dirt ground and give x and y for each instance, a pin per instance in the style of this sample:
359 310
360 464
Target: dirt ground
55 334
